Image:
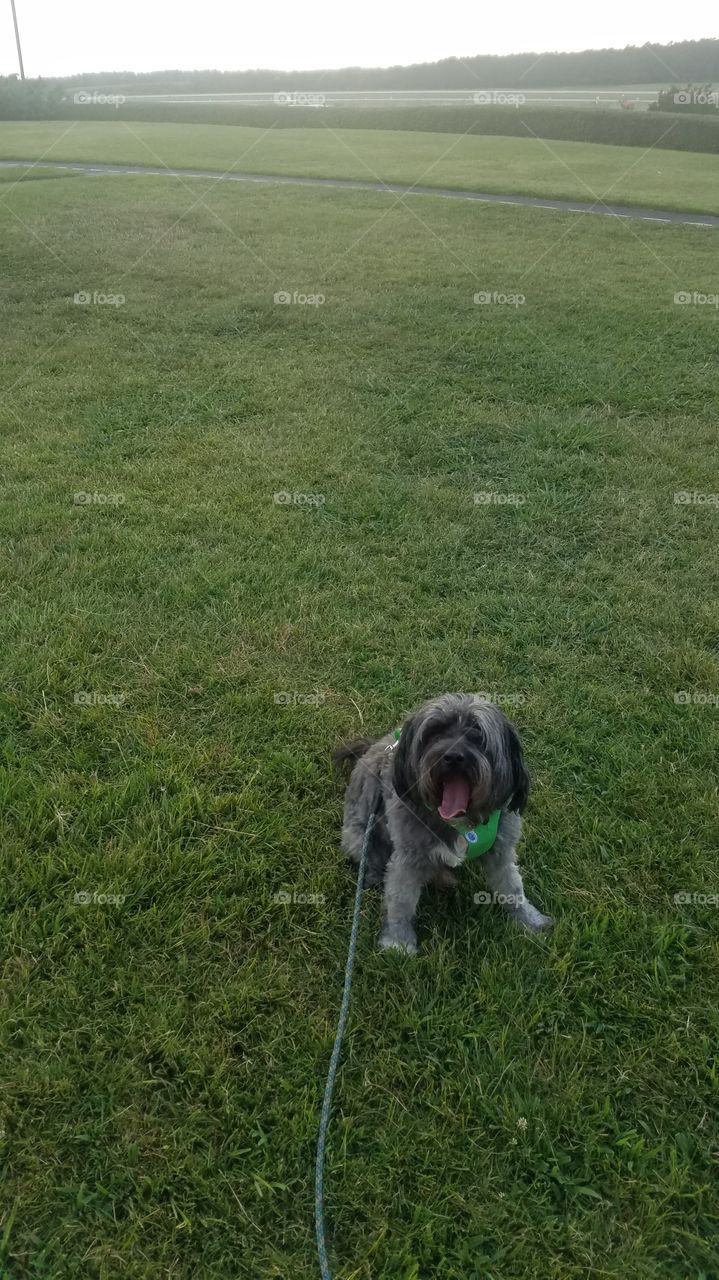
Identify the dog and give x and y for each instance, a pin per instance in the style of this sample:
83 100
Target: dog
452 765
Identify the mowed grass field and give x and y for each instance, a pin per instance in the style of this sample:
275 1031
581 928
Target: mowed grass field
530 166
181 651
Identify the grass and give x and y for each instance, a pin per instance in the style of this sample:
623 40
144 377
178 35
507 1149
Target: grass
570 170
165 1054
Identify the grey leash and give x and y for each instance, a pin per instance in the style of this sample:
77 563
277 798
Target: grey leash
334 1060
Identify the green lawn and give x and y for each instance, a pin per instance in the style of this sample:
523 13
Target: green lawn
571 170
508 1108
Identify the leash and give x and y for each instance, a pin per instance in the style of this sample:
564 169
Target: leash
334 1060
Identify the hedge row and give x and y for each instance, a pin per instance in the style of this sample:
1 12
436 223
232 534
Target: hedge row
616 127
29 99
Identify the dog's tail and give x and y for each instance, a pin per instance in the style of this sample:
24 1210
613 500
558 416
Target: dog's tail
351 752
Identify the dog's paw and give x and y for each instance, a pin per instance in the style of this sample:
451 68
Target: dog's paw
399 939
532 919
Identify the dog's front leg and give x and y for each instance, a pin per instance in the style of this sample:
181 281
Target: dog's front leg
403 883
505 882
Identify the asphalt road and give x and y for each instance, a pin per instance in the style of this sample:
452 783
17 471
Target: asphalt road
395 188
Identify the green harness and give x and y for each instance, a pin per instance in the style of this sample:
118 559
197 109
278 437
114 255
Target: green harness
479 839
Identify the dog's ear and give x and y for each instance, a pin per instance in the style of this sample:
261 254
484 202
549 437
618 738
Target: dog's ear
403 773
520 773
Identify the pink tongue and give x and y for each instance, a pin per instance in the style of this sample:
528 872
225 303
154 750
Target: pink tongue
455 798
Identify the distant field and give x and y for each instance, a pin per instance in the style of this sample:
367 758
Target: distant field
591 97
565 170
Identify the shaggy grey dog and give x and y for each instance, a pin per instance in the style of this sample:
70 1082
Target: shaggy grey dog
457 759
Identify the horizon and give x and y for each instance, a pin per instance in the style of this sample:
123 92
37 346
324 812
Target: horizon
73 41
324 70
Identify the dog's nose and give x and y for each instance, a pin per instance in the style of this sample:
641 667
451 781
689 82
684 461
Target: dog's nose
453 757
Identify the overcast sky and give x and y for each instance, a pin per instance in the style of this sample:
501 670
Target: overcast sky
63 37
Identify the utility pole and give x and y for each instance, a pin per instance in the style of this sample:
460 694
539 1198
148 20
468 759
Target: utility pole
17 39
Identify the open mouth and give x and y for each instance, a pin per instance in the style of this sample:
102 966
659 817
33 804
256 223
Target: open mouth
455 797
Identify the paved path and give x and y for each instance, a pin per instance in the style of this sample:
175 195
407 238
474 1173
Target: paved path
395 188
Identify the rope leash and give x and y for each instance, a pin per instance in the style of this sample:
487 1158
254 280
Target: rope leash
334 1060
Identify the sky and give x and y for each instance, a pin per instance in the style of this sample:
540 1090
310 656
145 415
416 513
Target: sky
66 37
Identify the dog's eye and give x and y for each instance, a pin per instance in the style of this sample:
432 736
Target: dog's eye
477 737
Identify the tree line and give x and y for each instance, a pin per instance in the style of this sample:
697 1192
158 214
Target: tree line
687 61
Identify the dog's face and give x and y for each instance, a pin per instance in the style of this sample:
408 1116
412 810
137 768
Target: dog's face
461 757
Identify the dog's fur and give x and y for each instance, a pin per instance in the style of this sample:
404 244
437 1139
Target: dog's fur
411 844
